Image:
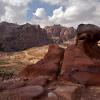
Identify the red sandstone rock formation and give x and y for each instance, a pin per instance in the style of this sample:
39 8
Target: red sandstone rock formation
81 62
50 65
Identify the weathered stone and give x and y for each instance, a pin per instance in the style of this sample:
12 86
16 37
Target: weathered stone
91 93
23 93
12 84
40 80
68 92
81 62
50 65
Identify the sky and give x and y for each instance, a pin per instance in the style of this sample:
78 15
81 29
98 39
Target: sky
49 12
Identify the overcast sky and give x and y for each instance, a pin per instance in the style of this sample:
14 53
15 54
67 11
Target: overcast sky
49 12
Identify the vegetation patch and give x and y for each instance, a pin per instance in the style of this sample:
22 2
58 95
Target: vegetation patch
6 74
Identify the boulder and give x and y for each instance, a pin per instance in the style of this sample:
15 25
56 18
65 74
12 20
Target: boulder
12 84
91 93
66 92
23 93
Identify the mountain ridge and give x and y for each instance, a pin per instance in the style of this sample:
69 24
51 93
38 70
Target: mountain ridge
14 37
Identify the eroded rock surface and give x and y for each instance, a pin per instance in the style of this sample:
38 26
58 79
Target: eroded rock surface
81 62
49 66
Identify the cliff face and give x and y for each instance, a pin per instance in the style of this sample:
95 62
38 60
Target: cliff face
19 37
60 33
15 37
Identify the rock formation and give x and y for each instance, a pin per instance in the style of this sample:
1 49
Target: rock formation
60 33
63 74
81 62
15 37
50 65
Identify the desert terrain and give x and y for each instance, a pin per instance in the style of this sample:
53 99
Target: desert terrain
62 70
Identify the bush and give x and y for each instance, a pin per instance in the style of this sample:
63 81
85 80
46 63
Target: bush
6 74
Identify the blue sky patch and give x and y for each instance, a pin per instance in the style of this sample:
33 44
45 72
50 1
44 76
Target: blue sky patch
38 4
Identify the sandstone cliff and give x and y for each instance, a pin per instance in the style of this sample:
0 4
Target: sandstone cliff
15 37
60 33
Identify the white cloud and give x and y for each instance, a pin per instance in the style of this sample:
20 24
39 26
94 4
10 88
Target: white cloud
40 12
14 14
17 2
58 16
39 17
69 12
14 10
74 12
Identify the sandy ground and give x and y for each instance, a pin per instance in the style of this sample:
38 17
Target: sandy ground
16 61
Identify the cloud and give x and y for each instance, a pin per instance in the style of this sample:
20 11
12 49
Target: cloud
12 14
40 12
39 17
14 10
78 11
67 12
16 2
74 12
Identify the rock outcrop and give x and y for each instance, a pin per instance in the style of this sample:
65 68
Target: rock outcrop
81 62
50 65
63 74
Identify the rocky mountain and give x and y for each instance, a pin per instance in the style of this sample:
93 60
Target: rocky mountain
14 37
60 33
